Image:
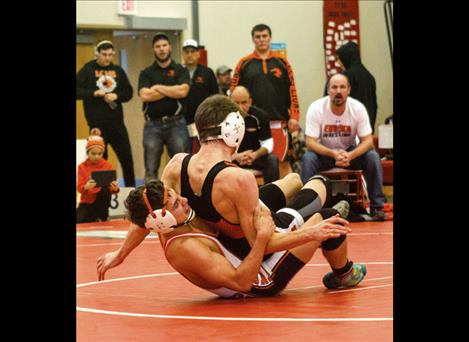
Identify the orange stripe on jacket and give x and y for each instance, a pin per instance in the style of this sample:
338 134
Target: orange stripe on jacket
294 105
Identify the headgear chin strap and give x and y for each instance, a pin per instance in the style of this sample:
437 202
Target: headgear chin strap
190 217
232 130
159 220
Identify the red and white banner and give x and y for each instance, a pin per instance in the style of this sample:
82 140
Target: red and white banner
340 26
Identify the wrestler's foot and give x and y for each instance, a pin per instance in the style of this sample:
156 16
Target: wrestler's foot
343 207
348 279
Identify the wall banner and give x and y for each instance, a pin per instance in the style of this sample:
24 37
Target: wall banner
340 26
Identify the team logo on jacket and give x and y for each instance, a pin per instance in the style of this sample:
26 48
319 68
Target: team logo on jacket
171 73
106 83
199 79
276 72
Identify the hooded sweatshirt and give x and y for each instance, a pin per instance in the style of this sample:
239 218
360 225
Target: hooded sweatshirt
97 111
361 80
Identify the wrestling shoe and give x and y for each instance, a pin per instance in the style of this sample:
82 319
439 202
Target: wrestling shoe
343 207
348 279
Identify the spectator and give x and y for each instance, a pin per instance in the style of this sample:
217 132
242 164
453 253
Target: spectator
269 78
161 86
255 151
203 84
362 82
103 87
224 79
94 201
332 125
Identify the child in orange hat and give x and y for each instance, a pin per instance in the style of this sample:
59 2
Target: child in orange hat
94 200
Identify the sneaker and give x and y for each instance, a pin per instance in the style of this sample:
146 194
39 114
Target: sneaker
377 214
348 279
343 207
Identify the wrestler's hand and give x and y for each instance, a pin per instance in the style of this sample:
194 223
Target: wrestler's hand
333 227
106 262
263 222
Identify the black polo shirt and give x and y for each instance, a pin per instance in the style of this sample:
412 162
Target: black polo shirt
203 84
257 127
173 74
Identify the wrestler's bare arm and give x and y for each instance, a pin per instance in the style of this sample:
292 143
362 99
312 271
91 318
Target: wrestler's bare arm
242 192
134 237
332 227
239 196
172 172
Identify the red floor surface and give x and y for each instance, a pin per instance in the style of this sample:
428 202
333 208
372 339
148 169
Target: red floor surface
144 299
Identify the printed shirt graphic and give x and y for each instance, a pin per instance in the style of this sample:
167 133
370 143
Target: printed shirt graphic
106 80
337 131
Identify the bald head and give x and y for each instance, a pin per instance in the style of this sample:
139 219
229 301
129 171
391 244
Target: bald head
339 90
339 77
240 95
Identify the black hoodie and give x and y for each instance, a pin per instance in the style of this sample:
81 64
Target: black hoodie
361 80
97 111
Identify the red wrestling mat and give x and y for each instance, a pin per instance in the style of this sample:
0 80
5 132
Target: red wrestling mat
144 299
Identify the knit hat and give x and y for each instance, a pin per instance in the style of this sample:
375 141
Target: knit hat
94 141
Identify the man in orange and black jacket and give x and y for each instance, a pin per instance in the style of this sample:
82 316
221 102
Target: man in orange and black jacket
269 78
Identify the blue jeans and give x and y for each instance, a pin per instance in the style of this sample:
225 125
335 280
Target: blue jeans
155 135
369 162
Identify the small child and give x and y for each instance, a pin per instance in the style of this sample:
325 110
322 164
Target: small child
94 201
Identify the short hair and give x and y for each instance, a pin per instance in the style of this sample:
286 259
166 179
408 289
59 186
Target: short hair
211 112
137 210
104 45
261 27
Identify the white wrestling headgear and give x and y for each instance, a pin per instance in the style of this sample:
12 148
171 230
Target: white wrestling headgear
232 130
159 220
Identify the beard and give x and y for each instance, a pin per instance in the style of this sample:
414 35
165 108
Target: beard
338 100
163 60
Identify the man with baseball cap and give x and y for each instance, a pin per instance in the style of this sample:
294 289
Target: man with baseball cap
162 86
224 79
203 84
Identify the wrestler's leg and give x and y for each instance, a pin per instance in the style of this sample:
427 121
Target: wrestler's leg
275 195
290 185
345 273
308 201
305 252
334 249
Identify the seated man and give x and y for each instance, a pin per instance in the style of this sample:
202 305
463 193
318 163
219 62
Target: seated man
332 125
194 250
224 79
255 151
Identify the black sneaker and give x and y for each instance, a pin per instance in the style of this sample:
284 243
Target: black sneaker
377 214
